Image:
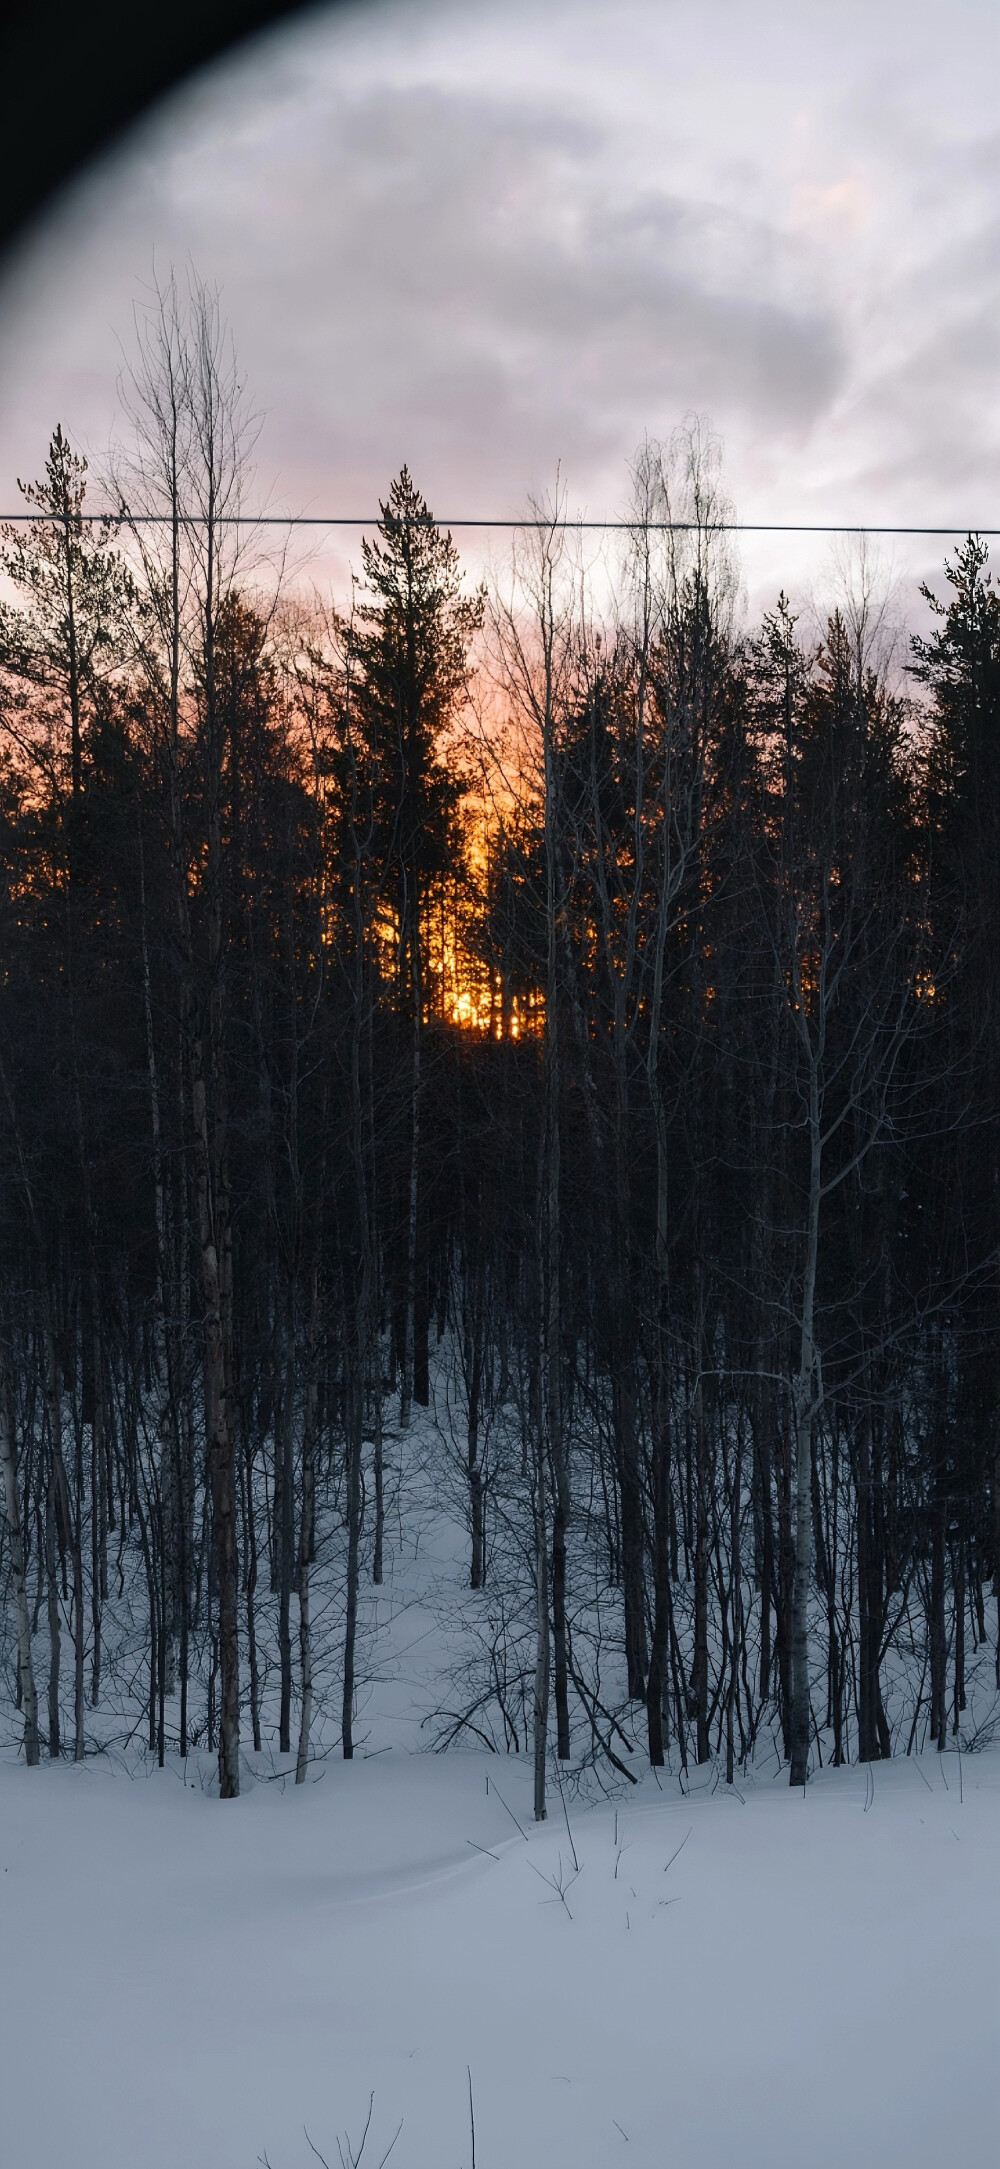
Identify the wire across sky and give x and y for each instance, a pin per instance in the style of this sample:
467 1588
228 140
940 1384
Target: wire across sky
538 526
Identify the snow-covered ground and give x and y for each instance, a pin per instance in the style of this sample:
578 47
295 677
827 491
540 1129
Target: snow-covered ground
813 1979
752 1977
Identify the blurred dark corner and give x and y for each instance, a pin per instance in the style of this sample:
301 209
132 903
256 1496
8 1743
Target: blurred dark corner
73 77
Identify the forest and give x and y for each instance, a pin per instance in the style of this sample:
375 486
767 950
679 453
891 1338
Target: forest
547 1032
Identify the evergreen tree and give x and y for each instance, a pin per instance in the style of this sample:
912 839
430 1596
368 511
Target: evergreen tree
410 644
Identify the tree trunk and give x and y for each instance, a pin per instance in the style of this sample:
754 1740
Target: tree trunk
540 1712
412 1200
656 1679
474 1369
937 1624
699 1669
22 1615
283 1544
804 1402
354 1400
870 1602
55 1635
307 1527
221 1457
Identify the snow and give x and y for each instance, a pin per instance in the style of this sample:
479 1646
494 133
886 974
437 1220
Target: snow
749 1976
812 1978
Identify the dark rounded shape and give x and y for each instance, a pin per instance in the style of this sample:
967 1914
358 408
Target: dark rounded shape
75 76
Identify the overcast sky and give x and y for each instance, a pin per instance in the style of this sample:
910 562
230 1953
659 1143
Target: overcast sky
488 238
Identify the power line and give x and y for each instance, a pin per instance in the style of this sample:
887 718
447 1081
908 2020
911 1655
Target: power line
340 519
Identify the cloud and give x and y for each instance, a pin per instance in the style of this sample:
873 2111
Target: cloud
449 275
486 241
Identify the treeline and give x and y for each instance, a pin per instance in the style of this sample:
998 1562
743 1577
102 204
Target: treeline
554 990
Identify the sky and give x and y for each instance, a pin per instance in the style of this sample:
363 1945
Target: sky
504 241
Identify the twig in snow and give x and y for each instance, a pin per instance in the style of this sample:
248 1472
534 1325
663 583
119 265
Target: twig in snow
391 2144
559 1882
510 1811
350 2159
679 1849
472 2117
316 2150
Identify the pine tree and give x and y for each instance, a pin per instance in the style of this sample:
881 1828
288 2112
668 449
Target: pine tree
411 645
62 645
